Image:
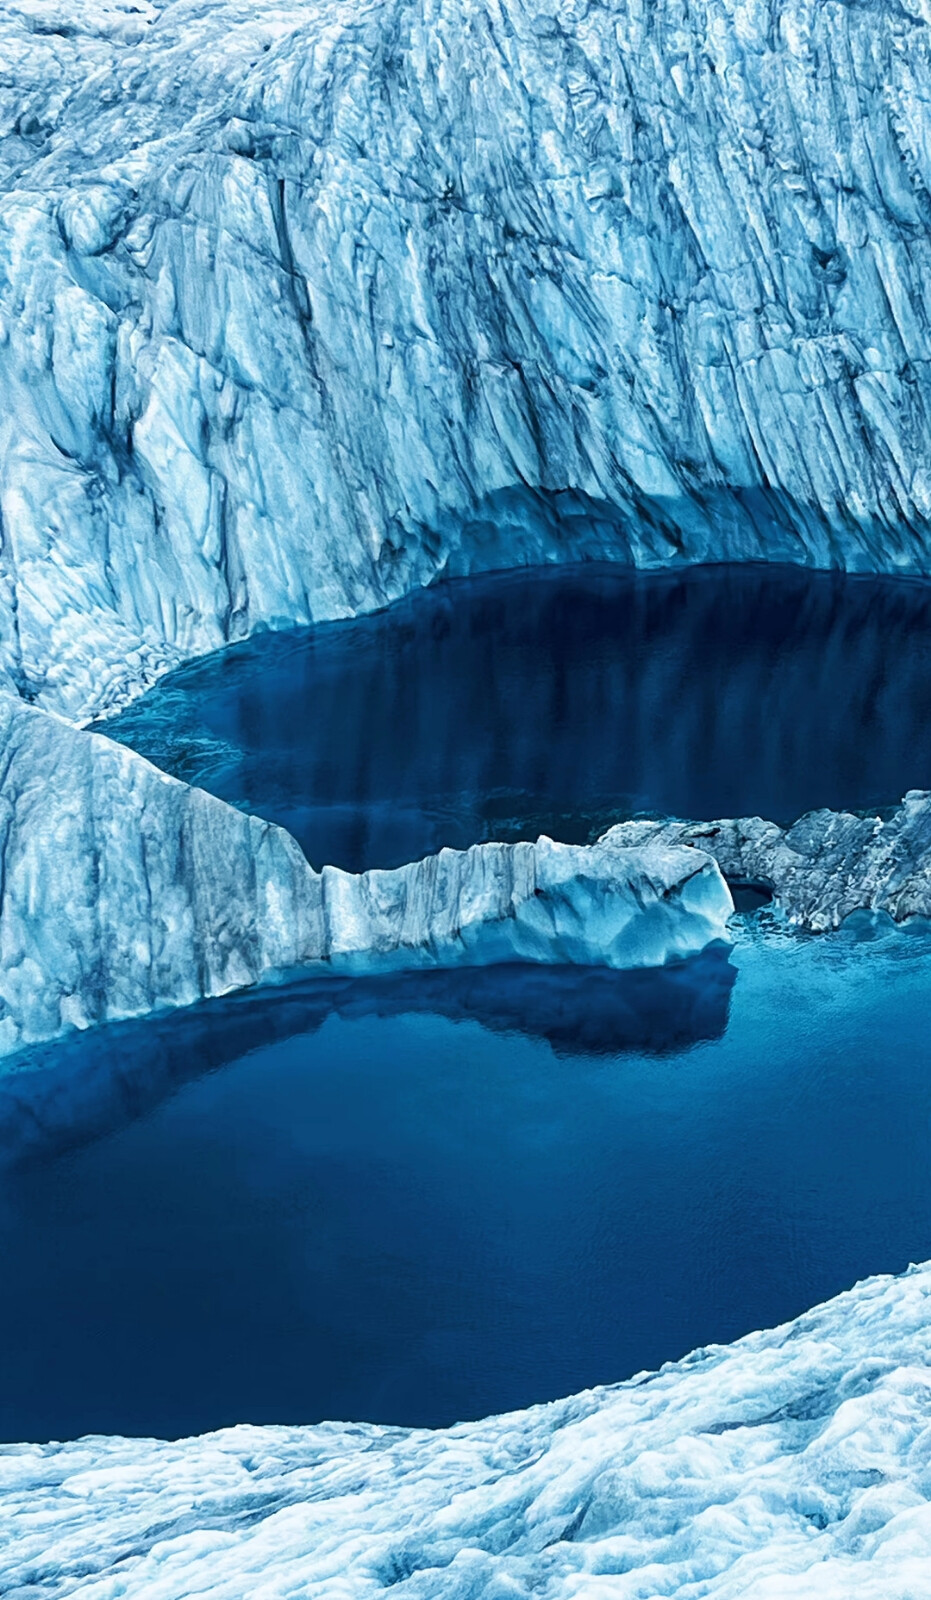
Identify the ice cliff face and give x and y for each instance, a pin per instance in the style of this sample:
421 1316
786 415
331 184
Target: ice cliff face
123 890
301 304
826 866
792 1463
595 905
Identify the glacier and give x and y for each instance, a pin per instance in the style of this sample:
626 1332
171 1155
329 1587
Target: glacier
302 305
793 1462
124 890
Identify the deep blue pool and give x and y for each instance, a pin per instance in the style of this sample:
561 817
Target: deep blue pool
434 1197
560 701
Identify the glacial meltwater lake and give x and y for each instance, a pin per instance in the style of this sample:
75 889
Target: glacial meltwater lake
422 1198
559 701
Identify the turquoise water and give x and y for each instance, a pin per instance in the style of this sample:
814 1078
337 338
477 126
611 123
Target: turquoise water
435 1197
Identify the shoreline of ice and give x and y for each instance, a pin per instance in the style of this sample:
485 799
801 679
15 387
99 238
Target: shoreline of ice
124 890
825 867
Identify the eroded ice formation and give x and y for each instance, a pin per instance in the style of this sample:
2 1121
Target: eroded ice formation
301 305
294 297
826 866
123 890
795 1462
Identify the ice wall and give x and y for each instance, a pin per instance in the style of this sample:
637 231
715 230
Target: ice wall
294 299
123 890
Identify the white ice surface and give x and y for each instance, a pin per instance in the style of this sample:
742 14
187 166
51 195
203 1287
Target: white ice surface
793 1465
294 297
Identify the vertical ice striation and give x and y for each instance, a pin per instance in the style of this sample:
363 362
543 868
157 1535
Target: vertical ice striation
302 304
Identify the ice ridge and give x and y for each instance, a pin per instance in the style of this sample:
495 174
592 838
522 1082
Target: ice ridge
826 866
124 890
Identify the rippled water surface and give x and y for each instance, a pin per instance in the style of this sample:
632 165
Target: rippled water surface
560 701
434 1197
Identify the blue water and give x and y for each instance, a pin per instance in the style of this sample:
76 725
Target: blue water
560 701
434 1196
439 1196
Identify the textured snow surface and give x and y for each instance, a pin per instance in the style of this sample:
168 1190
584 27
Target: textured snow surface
123 889
828 865
793 1463
295 298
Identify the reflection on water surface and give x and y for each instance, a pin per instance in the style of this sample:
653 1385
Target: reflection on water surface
558 702
445 1195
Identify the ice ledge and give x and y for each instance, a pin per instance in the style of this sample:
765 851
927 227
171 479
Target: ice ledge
123 890
794 1462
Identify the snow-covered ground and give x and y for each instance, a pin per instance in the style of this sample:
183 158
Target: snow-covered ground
793 1465
295 297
